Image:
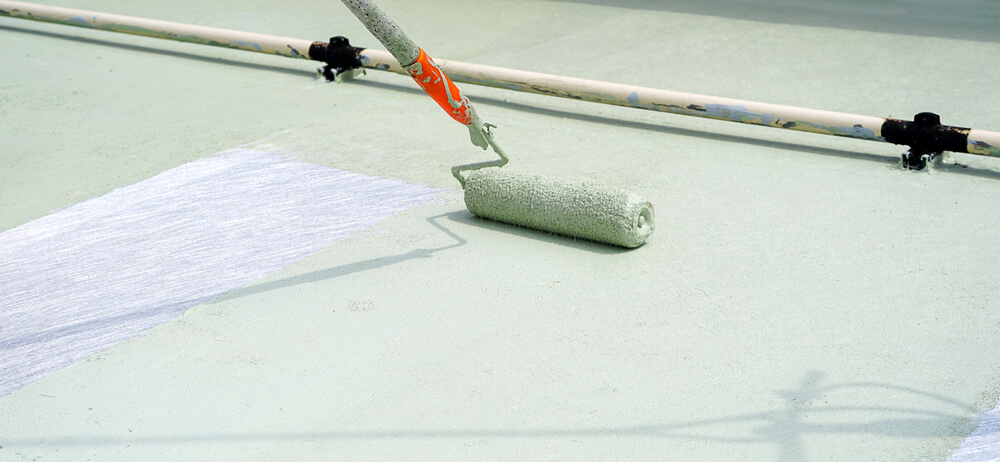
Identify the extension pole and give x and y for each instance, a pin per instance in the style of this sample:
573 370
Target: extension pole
925 135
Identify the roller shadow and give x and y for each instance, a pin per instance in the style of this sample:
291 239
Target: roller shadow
344 270
459 217
157 51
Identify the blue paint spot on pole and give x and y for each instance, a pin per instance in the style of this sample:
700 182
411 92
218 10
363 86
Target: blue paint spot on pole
253 45
633 99
81 21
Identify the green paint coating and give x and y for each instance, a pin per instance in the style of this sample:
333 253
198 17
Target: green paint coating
798 306
581 209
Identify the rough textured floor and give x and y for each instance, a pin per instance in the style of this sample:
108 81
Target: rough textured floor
803 298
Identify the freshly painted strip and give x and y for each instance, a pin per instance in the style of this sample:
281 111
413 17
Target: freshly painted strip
983 444
103 271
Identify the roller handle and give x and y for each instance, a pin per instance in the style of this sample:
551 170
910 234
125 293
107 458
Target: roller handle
441 89
429 77
414 61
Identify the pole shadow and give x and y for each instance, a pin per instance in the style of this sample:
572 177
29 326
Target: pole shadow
785 429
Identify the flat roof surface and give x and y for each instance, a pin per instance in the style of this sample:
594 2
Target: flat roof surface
803 297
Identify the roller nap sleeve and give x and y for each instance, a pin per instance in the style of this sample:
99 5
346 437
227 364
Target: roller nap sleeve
570 207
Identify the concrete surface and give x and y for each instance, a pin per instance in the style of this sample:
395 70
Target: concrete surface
803 298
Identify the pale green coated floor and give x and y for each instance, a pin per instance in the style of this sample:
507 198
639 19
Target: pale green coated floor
802 299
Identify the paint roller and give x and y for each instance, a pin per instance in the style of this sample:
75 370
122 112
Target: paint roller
574 208
580 209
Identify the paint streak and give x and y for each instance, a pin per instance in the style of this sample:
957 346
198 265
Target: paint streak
856 131
633 98
80 21
244 44
543 90
983 148
738 114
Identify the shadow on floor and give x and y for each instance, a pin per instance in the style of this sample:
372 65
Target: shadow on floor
344 270
461 217
801 415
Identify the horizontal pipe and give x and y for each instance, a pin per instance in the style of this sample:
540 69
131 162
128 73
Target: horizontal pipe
980 142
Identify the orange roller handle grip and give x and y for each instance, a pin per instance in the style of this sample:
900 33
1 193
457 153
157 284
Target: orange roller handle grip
438 86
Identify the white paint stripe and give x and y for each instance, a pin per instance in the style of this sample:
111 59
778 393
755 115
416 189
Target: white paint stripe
983 445
100 272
